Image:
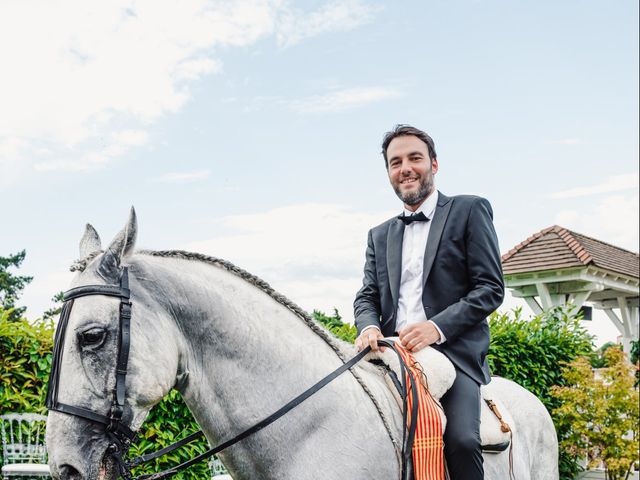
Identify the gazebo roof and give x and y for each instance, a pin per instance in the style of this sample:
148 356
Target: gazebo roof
556 247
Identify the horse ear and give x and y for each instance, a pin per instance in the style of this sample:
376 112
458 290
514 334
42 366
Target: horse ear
90 242
121 246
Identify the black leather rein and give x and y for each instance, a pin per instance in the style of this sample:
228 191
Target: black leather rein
122 436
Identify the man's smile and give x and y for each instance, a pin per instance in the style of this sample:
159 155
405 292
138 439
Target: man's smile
406 181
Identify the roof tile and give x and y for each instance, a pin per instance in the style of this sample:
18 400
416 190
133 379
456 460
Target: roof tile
557 247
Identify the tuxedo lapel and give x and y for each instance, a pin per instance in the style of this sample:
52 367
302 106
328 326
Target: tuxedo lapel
435 233
394 257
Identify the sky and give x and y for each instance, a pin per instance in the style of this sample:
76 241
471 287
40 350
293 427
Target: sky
250 130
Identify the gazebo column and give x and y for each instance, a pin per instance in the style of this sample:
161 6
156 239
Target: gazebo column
548 299
534 305
579 298
627 322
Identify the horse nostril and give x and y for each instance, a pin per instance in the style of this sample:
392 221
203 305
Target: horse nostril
67 472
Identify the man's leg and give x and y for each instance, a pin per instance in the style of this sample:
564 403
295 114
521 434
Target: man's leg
462 447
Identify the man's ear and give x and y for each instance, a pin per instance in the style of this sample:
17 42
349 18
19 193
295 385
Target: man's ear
434 166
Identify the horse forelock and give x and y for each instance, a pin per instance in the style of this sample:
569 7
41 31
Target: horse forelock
81 264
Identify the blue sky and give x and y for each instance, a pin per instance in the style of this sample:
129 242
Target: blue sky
250 130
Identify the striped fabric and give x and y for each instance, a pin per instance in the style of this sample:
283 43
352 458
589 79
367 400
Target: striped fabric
428 446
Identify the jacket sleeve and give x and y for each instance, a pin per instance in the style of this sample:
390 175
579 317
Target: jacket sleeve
484 271
366 306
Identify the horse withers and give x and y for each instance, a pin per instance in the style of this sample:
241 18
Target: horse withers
237 351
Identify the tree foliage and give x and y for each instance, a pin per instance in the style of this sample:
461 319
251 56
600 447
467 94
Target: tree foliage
529 352
54 311
25 361
600 413
11 285
335 325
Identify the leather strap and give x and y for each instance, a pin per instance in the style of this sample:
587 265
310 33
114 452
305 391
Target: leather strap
261 424
408 434
94 417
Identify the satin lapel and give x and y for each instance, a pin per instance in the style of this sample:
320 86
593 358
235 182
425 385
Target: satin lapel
394 257
435 233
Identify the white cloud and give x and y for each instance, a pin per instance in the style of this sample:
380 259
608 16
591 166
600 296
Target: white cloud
569 141
118 144
76 72
336 15
613 220
311 253
613 184
182 177
344 99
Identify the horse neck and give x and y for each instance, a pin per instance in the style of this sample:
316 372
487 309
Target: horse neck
246 354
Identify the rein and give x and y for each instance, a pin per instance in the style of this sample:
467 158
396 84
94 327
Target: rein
121 435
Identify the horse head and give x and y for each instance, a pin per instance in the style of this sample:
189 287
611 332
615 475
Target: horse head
80 448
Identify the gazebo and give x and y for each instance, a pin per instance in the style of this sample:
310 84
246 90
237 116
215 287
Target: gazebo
557 266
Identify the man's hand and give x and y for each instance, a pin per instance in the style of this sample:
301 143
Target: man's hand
370 336
419 335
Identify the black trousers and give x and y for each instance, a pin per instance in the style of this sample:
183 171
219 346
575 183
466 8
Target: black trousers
462 448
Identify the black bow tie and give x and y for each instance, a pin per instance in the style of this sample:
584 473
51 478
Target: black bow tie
416 217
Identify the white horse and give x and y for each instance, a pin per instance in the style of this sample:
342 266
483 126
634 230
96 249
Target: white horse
237 351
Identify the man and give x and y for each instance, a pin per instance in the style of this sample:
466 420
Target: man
432 275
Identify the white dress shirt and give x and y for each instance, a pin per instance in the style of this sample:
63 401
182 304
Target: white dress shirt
414 244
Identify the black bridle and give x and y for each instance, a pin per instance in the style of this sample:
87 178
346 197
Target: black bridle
121 435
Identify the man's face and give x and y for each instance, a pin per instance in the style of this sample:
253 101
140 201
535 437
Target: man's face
411 170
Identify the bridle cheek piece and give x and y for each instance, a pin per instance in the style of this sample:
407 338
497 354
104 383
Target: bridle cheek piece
118 432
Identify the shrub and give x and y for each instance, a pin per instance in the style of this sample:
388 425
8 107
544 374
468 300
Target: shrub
600 413
25 361
530 351
335 325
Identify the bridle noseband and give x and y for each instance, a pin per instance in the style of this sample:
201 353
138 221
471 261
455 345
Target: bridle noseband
119 433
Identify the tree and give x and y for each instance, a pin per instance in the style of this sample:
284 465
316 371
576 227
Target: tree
598 358
54 311
11 285
600 412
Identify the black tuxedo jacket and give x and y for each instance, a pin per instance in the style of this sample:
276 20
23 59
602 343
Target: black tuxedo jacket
462 280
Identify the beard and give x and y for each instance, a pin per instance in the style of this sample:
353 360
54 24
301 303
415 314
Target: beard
425 188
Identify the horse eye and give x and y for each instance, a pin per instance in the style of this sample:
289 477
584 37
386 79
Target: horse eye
93 337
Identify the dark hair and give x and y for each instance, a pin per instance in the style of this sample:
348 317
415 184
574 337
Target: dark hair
402 130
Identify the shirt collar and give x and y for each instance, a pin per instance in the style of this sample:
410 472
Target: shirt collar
427 207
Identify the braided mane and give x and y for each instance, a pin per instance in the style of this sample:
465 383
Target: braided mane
333 342
259 283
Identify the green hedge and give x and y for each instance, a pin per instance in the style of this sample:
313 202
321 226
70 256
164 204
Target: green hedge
532 352
25 361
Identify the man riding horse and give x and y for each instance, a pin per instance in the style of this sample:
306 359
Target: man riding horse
432 275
